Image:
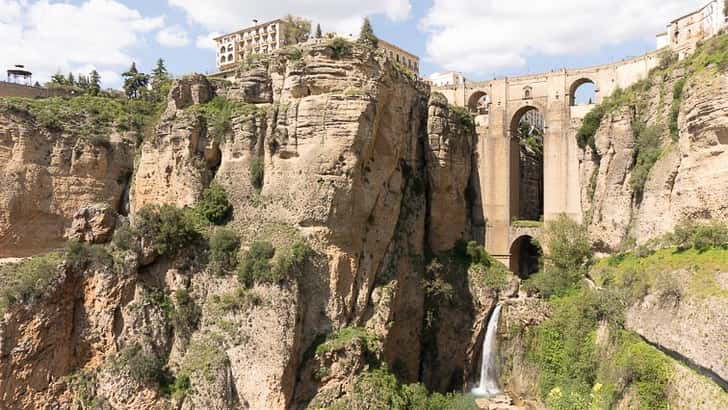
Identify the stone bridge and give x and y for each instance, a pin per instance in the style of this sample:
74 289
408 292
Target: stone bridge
499 107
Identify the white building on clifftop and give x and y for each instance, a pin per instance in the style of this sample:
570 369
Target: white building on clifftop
683 33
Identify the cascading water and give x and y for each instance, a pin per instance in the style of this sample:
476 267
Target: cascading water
488 385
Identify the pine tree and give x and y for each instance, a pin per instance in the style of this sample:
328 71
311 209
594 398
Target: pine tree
94 82
134 82
319 34
58 78
160 72
70 80
366 36
82 82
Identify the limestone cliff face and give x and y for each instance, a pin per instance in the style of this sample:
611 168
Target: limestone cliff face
686 182
46 177
353 156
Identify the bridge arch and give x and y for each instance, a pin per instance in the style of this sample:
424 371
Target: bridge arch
579 84
479 103
526 254
527 138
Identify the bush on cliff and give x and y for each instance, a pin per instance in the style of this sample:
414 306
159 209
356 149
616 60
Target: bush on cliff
567 260
647 151
224 247
28 279
258 266
214 205
700 236
169 228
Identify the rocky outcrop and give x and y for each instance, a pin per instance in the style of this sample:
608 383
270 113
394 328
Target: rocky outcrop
337 149
450 151
93 224
686 183
177 162
47 176
693 328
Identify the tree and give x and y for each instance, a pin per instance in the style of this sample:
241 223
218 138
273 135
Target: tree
160 80
134 82
94 82
296 29
58 78
319 34
70 80
366 36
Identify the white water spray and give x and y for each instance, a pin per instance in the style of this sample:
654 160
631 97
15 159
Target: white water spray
488 385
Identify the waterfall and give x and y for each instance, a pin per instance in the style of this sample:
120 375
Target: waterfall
488 385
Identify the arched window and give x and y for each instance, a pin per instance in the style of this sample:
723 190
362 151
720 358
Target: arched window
527 93
222 59
222 49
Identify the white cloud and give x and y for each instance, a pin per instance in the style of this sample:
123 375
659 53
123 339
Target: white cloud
207 42
173 36
490 35
49 36
333 15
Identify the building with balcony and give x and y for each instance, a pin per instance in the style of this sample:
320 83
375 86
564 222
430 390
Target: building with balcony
234 48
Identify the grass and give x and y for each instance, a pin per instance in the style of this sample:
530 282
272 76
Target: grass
647 151
86 116
344 337
637 275
27 280
219 112
517 223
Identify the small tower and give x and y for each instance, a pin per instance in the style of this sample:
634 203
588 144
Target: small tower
19 75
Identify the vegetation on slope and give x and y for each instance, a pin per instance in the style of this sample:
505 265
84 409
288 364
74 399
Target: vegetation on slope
710 57
579 369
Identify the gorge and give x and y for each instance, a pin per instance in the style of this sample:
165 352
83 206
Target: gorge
314 235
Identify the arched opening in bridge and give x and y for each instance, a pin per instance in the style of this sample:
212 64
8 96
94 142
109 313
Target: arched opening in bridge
527 178
525 257
479 103
583 92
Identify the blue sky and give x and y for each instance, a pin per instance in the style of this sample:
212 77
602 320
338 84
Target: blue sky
481 38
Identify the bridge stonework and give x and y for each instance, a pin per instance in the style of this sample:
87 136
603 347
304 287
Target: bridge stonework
497 155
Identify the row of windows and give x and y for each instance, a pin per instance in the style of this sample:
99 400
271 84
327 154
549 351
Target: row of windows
412 65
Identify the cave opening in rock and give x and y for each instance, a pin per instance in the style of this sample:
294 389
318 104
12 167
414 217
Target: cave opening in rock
525 257
527 176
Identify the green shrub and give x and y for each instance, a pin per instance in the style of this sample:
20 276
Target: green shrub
339 47
176 387
589 127
169 228
568 258
255 265
81 255
291 261
700 236
187 314
123 238
344 337
464 117
214 205
142 366
257 172
205 357
646 153
677 94
224 247
646 368
563 348
27 280
379 389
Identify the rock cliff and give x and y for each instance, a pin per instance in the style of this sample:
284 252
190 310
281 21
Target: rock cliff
338 147
687 179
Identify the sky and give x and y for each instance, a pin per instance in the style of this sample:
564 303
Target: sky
483 39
